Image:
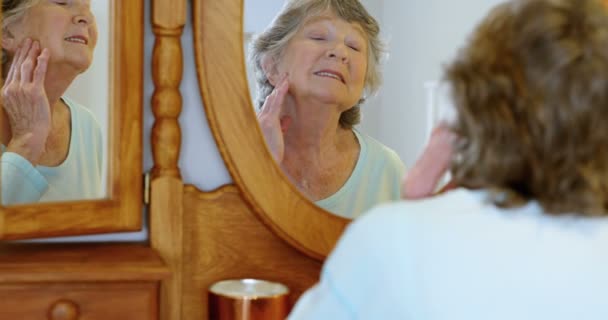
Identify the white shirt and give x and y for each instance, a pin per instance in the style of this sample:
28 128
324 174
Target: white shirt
375 179
77 178
456 256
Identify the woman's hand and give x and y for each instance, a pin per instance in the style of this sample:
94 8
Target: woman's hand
26 103
272 122
421 181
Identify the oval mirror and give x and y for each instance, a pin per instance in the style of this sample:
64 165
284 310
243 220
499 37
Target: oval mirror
223 83
399 116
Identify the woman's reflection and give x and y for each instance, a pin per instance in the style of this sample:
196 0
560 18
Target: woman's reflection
314 65
52 145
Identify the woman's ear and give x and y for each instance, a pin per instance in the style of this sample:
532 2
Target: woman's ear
9 43
270 69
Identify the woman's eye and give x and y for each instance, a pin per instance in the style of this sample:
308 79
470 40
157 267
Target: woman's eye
317 38
356 48
61 3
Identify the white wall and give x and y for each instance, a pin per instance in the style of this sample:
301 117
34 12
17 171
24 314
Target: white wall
258 15
200 162
371 120
423 35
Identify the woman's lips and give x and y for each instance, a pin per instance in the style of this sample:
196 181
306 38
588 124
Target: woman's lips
331 74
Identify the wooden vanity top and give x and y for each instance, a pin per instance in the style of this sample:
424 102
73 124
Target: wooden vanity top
79 262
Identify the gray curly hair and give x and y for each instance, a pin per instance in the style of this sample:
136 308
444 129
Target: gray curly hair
13 10
274 40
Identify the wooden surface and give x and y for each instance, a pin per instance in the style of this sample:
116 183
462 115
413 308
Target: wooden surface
79 281
122 212
90 301
166 236
218 41
78 262
166 222
225 240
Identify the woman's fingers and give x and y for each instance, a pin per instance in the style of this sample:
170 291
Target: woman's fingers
41 65
18 60
270 120
274 102
28 67
11 69
285 123
281 92
29 62
422 180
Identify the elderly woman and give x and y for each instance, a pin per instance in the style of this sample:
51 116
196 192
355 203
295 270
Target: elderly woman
51 145
315 64
527 236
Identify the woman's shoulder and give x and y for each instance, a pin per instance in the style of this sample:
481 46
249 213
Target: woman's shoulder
393 236
373 145
78 108
83 115
418 213
379 153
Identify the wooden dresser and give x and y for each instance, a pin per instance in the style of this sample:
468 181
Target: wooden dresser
82 281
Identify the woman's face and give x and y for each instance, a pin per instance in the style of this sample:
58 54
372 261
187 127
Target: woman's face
66 27
326 60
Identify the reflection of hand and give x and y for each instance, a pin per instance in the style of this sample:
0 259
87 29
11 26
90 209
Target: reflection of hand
272 123
435 160
26 103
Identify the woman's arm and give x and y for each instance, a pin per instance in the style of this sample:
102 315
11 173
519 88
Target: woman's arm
21 182
422 180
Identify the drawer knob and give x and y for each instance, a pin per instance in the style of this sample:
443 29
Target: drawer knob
64 310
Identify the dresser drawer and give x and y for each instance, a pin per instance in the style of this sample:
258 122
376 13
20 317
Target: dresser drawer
82 301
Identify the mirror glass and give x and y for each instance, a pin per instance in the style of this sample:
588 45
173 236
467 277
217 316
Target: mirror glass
395 121
73 163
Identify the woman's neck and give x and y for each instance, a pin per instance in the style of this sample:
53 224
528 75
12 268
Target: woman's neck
319 154
314 128
319 166
58 80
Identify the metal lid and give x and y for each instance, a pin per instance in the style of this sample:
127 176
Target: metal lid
248 288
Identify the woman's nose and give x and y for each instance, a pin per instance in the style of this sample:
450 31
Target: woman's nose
340 52
83 15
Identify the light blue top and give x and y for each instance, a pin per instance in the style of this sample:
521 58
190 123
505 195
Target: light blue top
375 179
78 177
458 257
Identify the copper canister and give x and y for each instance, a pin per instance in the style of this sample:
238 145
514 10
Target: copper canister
248 299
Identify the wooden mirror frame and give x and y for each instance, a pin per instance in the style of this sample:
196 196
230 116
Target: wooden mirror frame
219 54
121 209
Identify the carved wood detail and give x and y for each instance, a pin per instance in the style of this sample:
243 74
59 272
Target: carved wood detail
166 222
226 240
